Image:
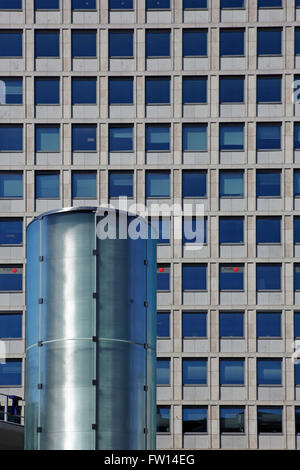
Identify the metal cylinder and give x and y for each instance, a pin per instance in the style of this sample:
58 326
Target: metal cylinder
90 334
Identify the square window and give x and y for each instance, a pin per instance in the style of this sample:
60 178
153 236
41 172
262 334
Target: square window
269 371
269 419
269 89
158 90
160 230
268 136
11 138
268 277
46 43
163 277
163 324
268 324
11 232
231 183
232 42
231 137
121 4
194 137
269 3
194 230
268 229
47 138
163 419
157 43
232 89
296 277
11 185
158 4
231 230
231 277
120 90
84 137
296 183
194 277
194 183
10 4
194 90
47 185
231 324
11 90
232 419
84 185
46 4
157 184
194 419
269 41
11 43
84 43
83 4
194 4
157 137
121 183
296 229
232 371
11 278
120 43
268 183
296 136
232 3
46 90
84 90
194 371
11 372
162 371
194 325
194 42
10 325
120 138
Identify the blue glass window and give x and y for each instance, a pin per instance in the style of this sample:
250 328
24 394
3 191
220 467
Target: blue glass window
11 231
232 371
47 185
194 325
231 230
269 41
120 4
194 183
268 136
194 229
297 410
11 185
157 4
46 4
11 43
297 374
11 90
47 138
297 324
84 184
194 419
268 183
163 418
120 183
297 3
11 372
296 183
231 325
11 138
194 42
163 277
120 43
10 4
231 183
120 138
194 371
297 136
163 371
158 90
268 229
157 184
232 419
194 277
268 277
84 137
231 137
194 90
46 90
11 278
194 137
232 89
296 229
84 43
194 4
268 89
10 325
158 43
297 41
268 324
232 42
232 3
84 90
163 324
269 419
83 4
160 230
231 277
269 371
47 43
297 277
157 137
269 3
120 90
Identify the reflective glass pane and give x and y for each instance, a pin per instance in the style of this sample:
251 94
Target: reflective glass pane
157 138
11 43
121 4
297 41
231 230
194 419
268 136
47 138
120 139
11 231
296 229
121 184
297 324
232 3
194 230
194 183
269 372
194 325
163 325
160 230
296 183
47 43
231 325
296 277
84 4
163 277
194 90
46 91
84 91
268 277
194 42
84 138
120 90
157 184
11 278
10 4
47 185
231 277
194 371
163 419
269 41
194 4
121 43
268 183
268 89
232 371
11 138
163 371
231 137
46 4
296 136
269 419
194 277
157 90
231 42
10 325
194 138
297 374
231 184
84 185
269 3
268 324
231 89
268 229
158 43
157 4
232 419
11 90
84 43
11 372
11 185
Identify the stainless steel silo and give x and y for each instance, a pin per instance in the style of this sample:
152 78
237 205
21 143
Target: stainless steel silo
90 335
